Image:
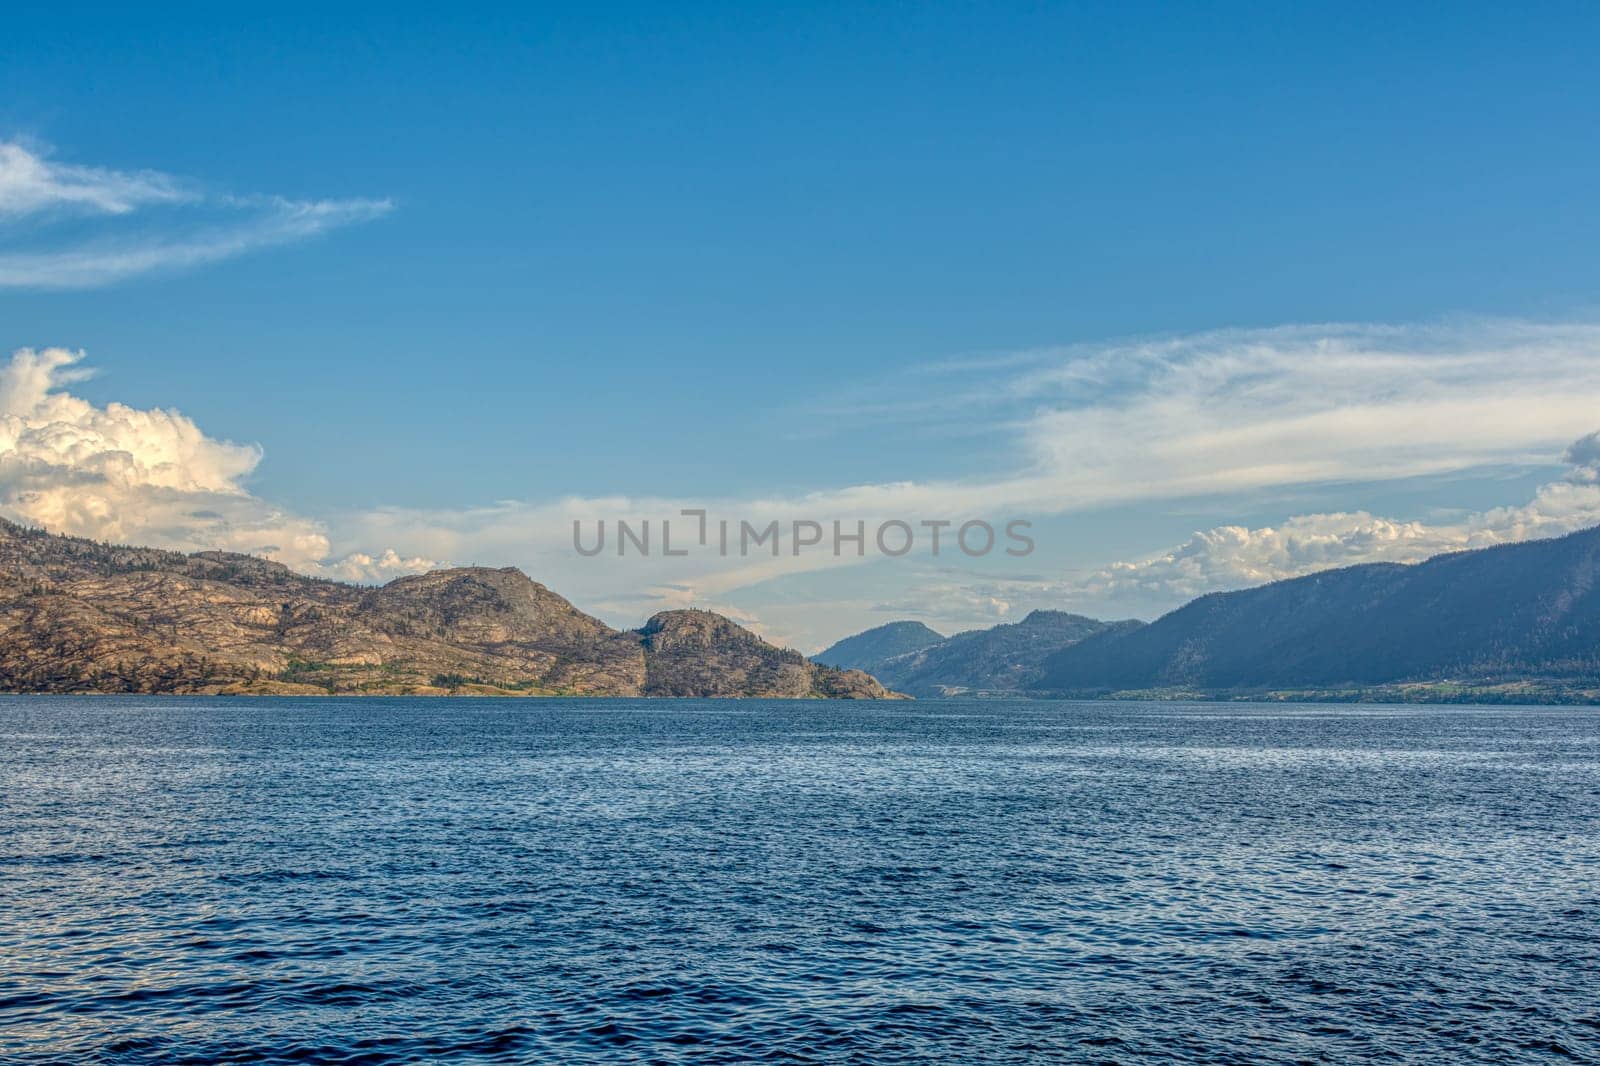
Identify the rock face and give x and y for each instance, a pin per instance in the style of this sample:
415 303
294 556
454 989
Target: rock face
79 616
1004 659
701 653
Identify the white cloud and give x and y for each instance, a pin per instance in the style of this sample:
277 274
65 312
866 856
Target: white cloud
1235 411
203 227
122 474
1583 455
968 606
1239 410
1233 557
32 183
364 568
1230 557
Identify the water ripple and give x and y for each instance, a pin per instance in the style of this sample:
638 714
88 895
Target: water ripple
388 881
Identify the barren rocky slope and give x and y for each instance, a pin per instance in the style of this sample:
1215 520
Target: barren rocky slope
80 616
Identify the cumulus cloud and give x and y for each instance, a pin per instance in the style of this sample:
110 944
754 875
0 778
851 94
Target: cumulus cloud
364 568
1228 557
1232 557
1583 455
196 227
118 473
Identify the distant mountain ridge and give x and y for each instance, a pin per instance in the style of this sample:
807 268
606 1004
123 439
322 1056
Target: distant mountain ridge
1003 659
878 645
1514 623
80 616
1517 621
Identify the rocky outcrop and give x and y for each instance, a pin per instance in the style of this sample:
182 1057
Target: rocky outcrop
701 653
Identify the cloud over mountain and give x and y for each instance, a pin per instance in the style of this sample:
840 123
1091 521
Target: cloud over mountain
1233 557
119 473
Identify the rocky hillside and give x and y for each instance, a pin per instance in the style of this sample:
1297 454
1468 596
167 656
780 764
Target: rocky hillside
698 653
1519 622
79 616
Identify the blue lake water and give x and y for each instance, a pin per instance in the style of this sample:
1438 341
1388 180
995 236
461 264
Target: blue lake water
376 881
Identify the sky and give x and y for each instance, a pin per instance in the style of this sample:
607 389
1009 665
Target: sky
1209 296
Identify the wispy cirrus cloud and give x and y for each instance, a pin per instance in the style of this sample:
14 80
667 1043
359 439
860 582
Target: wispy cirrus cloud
31 183
92 226
1237 410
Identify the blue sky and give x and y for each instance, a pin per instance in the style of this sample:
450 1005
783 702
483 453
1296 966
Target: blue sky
730 252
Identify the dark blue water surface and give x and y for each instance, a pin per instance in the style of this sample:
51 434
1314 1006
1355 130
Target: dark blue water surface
193 880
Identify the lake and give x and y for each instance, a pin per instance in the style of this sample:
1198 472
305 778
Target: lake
403 880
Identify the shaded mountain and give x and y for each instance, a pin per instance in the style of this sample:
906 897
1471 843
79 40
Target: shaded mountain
1004 658
1495 616
871 648
80 616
